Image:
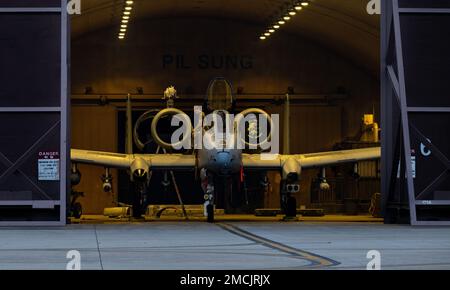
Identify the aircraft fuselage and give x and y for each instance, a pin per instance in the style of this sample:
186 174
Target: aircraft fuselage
221 162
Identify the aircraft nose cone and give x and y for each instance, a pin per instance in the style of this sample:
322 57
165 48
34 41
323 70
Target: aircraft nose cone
224 163
224 159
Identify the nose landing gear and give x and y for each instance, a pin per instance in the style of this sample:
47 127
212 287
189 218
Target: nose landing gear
209 204
289 202
208 188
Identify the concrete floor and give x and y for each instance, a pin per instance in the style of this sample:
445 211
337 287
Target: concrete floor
230 245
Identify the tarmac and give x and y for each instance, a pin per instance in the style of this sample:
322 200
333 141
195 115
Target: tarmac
229 244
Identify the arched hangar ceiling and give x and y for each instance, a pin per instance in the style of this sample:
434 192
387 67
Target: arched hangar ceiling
343 26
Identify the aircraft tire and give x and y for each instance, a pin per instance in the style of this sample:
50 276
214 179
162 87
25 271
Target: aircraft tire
291 208
137 206
210 212
77 210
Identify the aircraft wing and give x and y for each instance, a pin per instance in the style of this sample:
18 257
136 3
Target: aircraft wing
124 161
313 160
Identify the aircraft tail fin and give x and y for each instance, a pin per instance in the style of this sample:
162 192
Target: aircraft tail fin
129 127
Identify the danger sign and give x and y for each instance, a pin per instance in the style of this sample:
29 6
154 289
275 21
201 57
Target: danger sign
48 166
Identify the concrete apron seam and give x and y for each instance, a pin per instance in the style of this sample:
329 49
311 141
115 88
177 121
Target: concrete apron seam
98 248
316 261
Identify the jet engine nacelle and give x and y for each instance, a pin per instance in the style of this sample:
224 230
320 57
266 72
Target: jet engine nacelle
240 123
139 169
181 117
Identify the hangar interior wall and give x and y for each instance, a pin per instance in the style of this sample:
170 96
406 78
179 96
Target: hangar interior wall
188 53
95 127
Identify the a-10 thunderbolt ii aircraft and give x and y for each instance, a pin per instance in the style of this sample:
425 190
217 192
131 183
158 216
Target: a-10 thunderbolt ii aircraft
220 162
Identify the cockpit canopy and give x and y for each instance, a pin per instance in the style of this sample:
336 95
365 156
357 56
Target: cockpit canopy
219 95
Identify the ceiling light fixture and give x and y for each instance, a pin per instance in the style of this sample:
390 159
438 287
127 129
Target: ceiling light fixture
125 18
287 13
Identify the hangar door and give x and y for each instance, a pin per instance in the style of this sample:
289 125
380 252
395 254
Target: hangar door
33 112
416 106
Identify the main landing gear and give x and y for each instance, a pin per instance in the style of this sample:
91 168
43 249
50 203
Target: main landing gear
289 202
